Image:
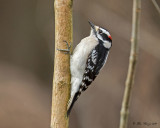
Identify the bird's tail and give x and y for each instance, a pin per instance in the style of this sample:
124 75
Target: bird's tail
71 103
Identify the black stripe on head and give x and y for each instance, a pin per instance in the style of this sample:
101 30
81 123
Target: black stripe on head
105 37
104 34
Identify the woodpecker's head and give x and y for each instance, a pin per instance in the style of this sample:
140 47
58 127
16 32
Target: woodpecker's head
102 35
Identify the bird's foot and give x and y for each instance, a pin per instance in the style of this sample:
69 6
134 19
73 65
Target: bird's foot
66 51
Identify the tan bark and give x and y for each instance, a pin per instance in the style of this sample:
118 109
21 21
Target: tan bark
61 80
132 64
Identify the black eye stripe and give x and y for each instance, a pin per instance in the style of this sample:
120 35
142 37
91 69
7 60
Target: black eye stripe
103 34
105 37
100 31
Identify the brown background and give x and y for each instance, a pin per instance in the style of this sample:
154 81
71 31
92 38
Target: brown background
26 64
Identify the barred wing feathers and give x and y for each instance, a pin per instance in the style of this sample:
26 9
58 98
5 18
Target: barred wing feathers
96 60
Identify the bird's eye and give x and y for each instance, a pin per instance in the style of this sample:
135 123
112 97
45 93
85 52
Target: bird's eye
100 31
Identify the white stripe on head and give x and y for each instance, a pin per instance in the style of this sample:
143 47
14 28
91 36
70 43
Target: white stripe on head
99 37
105 31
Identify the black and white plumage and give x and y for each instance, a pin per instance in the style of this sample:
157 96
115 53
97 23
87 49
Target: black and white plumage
87 60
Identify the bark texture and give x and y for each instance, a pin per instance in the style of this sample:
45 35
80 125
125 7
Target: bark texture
61 80
132 64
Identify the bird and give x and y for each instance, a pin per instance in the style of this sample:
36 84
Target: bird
88 58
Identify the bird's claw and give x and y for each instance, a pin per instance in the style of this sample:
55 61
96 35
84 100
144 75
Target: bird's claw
66 51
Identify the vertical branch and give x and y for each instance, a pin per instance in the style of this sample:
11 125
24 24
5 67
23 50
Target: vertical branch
156 5
61 80
132 63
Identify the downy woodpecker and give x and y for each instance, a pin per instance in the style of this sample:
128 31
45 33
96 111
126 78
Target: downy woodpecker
87 60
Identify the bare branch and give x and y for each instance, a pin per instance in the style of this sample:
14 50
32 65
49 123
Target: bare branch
156 5
132 64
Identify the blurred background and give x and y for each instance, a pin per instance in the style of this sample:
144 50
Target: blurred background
26 64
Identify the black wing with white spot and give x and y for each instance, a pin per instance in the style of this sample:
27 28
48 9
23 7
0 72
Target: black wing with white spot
95 62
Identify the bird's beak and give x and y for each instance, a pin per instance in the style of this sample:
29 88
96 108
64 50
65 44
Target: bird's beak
94 27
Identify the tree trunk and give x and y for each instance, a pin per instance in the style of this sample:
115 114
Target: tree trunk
61 80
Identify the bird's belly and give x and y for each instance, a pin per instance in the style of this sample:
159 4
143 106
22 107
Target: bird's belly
78 65
77 70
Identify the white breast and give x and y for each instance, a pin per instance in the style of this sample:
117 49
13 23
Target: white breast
78 61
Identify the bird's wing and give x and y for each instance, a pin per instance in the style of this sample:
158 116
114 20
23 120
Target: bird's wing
95 62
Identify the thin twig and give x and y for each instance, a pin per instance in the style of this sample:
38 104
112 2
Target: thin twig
132 63
156 5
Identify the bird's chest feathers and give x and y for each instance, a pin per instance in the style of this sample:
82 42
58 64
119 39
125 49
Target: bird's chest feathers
84 48
80 54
